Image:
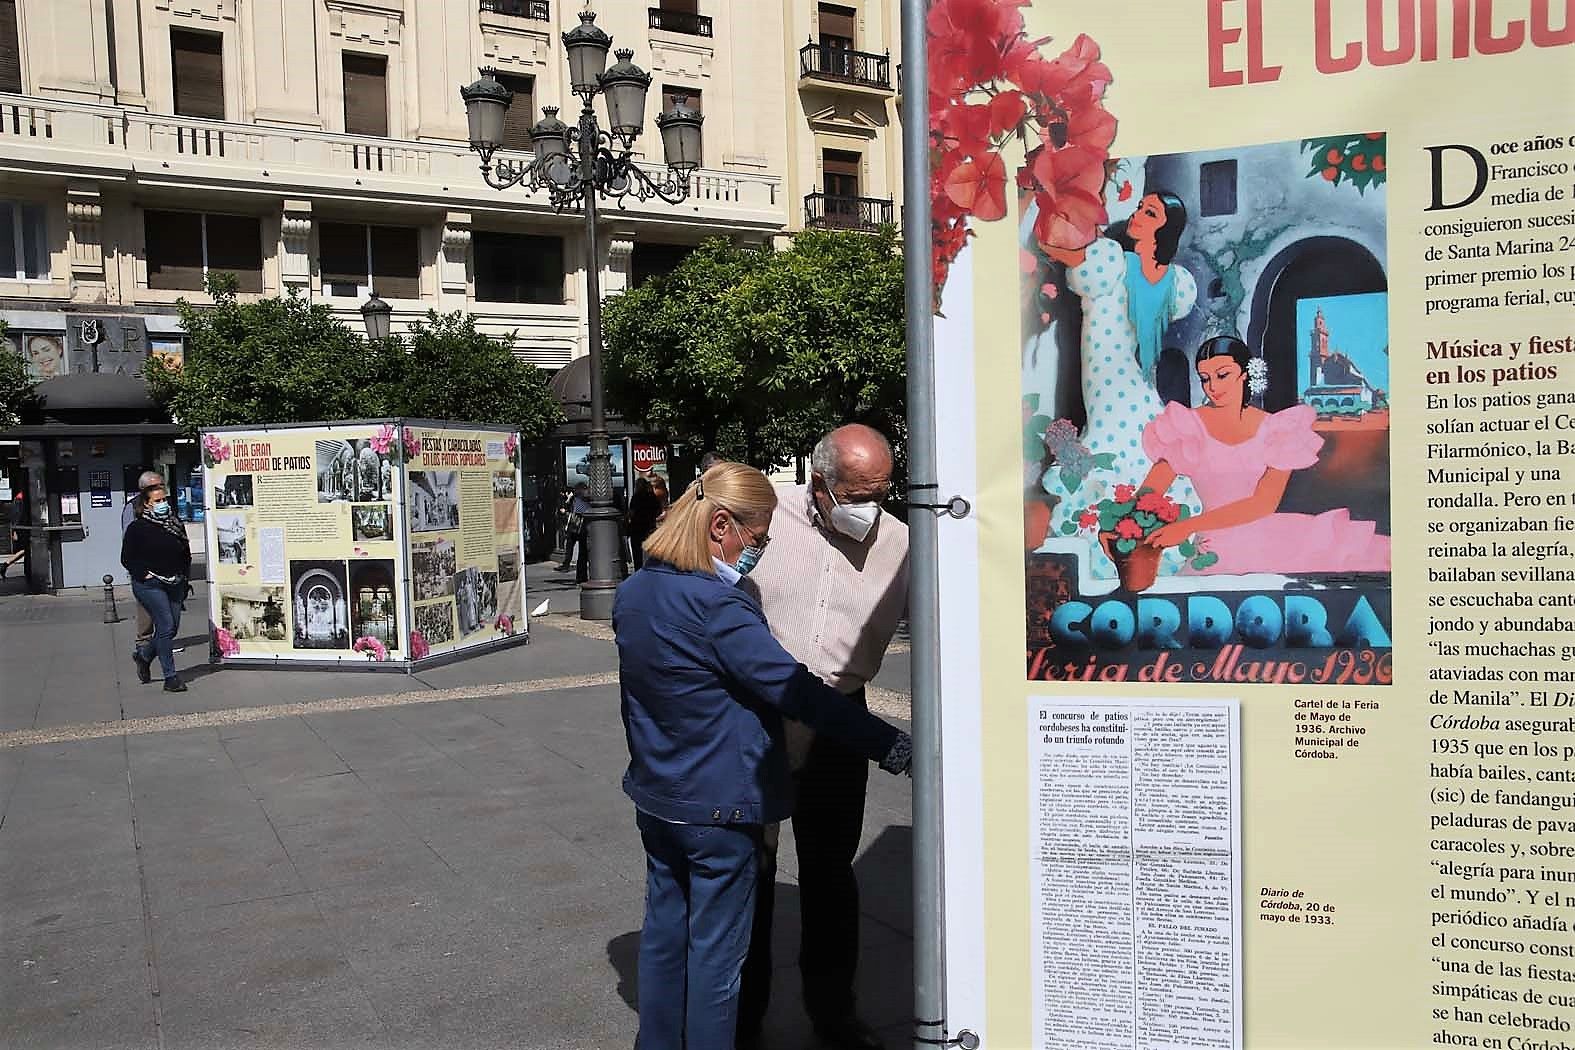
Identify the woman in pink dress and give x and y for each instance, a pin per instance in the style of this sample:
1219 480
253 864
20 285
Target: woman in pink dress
1239 458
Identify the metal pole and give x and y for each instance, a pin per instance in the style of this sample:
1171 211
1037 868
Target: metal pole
601 524
929 976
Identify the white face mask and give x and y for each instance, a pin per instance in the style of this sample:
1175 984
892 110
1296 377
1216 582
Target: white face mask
853 520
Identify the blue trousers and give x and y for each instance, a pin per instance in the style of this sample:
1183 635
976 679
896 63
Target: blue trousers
699 904
164 606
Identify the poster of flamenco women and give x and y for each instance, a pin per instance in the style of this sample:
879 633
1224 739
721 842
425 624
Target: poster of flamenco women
1205 391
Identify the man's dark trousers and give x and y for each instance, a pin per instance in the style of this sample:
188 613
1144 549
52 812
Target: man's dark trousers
828 821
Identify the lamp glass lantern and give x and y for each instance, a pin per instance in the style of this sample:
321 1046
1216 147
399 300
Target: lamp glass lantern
486 104
681 141
550 137
378 316
625 86
586 47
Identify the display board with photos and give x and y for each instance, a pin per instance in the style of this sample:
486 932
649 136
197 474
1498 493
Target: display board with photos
1256 711
382 542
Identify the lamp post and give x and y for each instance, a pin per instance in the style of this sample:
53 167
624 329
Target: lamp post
575 166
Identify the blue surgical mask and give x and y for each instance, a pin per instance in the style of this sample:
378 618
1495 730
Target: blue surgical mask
749 558
162 507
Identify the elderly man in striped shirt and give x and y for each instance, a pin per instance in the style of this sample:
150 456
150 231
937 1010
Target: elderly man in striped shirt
833 585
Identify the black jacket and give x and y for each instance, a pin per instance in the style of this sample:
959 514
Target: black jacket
149 547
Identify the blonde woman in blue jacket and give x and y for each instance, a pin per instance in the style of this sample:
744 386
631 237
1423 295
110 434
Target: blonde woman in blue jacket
705 687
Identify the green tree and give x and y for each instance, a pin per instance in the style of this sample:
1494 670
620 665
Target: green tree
452 371
18 396
290 361
271 361
757 353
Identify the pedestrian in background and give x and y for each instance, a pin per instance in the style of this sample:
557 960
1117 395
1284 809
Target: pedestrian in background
18 541
833 590
128 514
574 531
156 553
646 508
704 688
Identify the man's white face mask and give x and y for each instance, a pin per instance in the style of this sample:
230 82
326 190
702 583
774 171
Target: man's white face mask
853 520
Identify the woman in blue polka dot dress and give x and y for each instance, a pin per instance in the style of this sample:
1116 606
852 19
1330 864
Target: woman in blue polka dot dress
1129 299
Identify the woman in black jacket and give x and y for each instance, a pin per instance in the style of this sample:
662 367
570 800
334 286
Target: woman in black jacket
156 553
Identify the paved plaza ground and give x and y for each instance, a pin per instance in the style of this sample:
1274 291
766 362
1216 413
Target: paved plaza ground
311 859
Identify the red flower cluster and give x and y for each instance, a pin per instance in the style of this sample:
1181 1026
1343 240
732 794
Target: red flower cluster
989 83
1161 506
1128 529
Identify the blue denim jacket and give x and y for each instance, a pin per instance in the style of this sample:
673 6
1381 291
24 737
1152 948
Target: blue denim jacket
705 686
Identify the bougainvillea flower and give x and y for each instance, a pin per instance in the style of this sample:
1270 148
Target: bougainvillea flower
980 187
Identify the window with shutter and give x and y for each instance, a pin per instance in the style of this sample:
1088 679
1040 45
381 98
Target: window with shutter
234 244
183 248
518 268
521 115
366 94
841 173
341 258
396 262
197 71
10 49
671 95
837 26
174 249
655 260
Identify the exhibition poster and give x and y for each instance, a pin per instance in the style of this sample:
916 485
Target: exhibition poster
1255 351
356 543
467 583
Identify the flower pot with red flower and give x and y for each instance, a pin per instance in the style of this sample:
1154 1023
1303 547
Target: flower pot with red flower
1125 522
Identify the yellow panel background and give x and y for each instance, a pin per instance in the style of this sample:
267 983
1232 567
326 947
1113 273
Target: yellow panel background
1352 832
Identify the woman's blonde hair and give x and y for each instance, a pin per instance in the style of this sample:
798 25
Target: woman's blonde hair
683 539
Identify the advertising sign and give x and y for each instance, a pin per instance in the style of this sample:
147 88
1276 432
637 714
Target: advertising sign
322 541
1256 687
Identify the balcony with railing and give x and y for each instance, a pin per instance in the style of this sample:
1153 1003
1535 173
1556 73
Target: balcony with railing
823 211
72 139
685 22
538 10
832 64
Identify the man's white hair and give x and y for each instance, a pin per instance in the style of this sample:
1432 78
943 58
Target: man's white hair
147 479
826 459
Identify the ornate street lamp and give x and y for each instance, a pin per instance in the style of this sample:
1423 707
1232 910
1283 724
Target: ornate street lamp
576 166
378 316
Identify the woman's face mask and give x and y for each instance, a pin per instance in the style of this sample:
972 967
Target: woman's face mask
750 556
161 508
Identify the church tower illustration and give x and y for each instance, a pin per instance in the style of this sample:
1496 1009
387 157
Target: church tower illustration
1319 352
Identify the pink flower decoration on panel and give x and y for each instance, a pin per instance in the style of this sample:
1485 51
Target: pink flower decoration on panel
374 650
228 646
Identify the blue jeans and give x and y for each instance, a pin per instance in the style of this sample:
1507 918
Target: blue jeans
164 606
699 905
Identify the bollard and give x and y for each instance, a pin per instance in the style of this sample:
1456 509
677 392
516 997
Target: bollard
111 614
